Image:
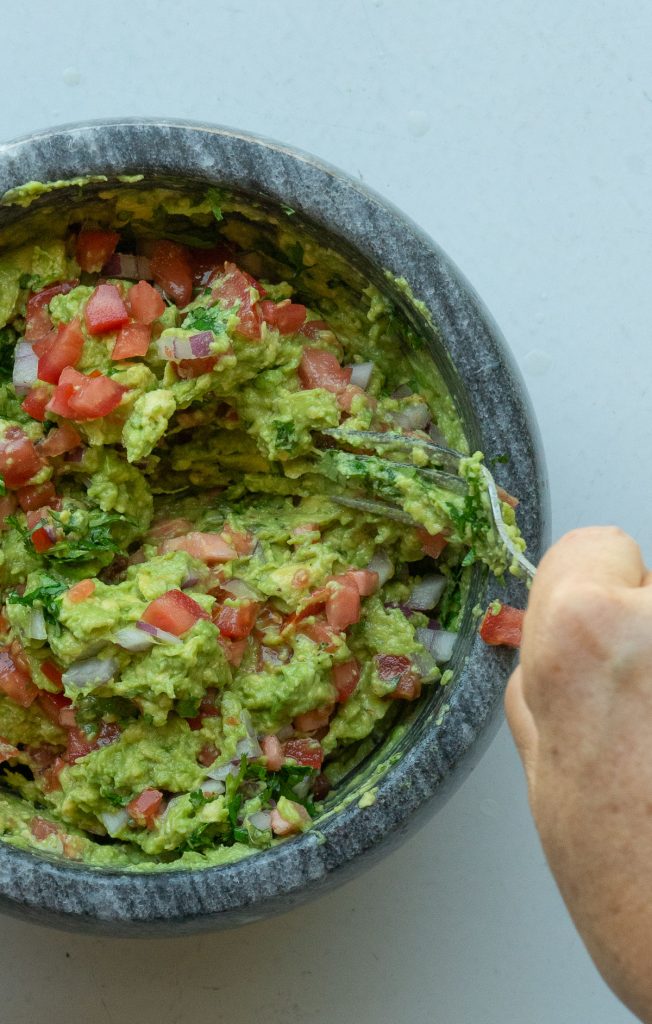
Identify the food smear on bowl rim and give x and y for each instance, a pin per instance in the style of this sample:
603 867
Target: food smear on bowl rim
195 638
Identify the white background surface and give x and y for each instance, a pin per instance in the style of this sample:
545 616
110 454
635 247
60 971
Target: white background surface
518 135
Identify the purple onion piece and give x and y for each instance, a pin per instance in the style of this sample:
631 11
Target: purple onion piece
25 370
200 344
131 268
159 634
76 455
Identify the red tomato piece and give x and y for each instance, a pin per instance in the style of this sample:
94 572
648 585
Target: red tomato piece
170 267
366 580
145 808
42 829
207 709
80 591
51 775
79 744
210 548
145 303
282 828
236 288
272 752
311 721
345 678
320 633
19 459
431 543
40 531
15 682
105 310
306 752
343 605
37 318
174 611
64 438
313 329
189 369
35 401
168 528
504 627
7 508
236 621
93 249
320 369
52 672
53 704
81 397
287 317
399 669
132 340
208 754
234 650
207 263
7 750
32 498
351 391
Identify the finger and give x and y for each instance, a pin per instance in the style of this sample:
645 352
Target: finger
596 554
521 723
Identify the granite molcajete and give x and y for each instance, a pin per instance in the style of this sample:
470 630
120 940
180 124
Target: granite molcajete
446 731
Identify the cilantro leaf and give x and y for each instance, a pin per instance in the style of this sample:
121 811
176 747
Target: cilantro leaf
294 254
82 541
197 799
7 346
286 435
211 318
46 596
3 489
216 197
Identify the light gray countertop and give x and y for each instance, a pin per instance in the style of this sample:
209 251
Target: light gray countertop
518 136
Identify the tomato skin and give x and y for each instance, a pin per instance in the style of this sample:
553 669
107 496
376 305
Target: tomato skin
208 263
93 249
53 704
399 667
132 340
105 311
38 496
35 401
236 622
174 611
320 369
305 752
313 328
79 744
503 629
170 266
144 303
145 808
286 317
64 438
42 829
343 606
19 459
81 397
234 650
235 287
189 369
37 318
15 682
80 591
320 633
210 548
366 580
346 678
52 672
432 543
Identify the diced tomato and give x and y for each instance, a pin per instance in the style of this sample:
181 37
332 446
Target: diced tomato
343 605
235 288
19 459
366 580
7 750
170 266
234 650
168 528
64 438
281 827
207 755
311 721
7 508
207 709
174 611
189 369
207 263
51 775
320 633
236 621
432 543
306 752
105 310
351 391
504 627
53 705
37 322
44 344
42 829
244 543
145 808
506 496
93 249
80 591
313 328
36 496
320 369
272 752
81 397
145 303
40 535
35 401
345 678
52 672
210 548
399 669
79 744
15 682
133 340
286 317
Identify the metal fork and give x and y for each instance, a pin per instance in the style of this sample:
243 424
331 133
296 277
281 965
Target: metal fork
442 469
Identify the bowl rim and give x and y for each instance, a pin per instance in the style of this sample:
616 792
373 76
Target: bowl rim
76 896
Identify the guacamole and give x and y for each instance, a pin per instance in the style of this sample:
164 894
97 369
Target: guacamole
197 639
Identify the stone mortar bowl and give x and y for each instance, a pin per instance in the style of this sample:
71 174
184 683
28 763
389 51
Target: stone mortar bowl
437 745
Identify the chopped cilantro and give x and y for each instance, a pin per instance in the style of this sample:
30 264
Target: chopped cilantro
187 708
287 210
469 557
85 540
7 346
46 596
113 797
216 197
203 318
295 257
3 489
91 710
286 435
197 799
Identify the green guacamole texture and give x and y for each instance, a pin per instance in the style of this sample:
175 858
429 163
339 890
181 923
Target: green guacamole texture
206 737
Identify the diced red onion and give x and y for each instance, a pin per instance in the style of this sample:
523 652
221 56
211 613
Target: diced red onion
161 635
25 368
383 565
402 392
131 268
436 435
426 594
439 642
275 655
261 820
133 639
93 671
413 417
238 588
51 531
222 771
113 821
284 733
191 580
249 748
361 374
37 630
76 455
211 787
302 787
178 347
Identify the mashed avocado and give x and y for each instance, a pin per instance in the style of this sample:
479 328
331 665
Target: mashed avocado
196 636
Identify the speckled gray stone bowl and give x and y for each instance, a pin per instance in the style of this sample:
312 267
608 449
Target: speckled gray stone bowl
447 731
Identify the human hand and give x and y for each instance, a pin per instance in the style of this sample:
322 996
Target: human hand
580 709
